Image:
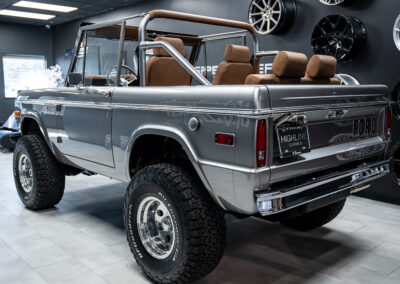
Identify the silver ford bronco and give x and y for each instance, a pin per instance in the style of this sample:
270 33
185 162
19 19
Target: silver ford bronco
138 106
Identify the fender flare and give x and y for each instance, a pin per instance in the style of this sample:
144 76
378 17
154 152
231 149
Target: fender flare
36 117
177 135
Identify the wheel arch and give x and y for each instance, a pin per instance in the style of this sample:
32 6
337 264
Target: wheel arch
162 134
32 124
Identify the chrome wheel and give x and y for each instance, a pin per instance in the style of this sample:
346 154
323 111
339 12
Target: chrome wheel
347 80
331 2
269 16
396 32
156 227
25 173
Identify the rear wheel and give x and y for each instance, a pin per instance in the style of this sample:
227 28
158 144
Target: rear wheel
315 219
175 230
38 177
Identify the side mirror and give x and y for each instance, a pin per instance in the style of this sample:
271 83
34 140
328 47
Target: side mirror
75 79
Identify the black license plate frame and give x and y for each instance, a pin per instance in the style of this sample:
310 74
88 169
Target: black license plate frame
293 140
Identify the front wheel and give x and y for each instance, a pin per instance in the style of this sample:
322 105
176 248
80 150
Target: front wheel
315 219
175 230
38 177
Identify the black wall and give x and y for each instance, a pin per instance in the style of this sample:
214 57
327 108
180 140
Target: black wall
21 39
377 62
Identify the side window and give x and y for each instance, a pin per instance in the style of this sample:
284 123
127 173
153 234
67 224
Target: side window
130 64
101 57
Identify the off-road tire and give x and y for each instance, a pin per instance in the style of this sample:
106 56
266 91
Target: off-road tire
48 176
200 228
315 219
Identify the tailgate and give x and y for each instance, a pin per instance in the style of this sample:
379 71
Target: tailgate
344 124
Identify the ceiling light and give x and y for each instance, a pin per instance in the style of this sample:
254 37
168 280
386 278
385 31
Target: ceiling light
43 6
20 14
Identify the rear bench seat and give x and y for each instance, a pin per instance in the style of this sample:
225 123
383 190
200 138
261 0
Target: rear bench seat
321 70
288 68
292 68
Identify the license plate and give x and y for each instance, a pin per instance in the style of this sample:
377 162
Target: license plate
293 140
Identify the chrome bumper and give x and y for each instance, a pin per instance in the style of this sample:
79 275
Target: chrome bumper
345 183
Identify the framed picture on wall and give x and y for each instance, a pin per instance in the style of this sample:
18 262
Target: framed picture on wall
22 72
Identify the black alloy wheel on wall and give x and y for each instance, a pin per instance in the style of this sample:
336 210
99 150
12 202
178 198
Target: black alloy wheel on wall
272 16
339 36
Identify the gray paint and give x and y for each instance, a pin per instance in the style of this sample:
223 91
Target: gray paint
229 173
21 39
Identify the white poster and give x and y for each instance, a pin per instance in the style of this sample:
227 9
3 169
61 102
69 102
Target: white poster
22 73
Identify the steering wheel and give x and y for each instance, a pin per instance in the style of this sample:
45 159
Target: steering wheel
130 77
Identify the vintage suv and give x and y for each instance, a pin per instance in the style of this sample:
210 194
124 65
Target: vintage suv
288 146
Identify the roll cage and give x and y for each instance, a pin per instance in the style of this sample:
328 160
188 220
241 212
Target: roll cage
145 44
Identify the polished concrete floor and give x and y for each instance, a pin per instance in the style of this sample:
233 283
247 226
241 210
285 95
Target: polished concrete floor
82 240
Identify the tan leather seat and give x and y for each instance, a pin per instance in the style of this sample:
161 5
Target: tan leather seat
321 71
236 68
163 70
288 68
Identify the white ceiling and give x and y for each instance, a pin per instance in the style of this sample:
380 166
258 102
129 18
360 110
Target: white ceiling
86 8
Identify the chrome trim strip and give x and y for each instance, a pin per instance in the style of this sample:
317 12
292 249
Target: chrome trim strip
241 112
328 97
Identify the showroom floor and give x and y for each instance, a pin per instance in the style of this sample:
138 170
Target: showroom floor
82 241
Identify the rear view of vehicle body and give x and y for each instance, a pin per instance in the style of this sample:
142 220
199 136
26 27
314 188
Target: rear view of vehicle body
286 147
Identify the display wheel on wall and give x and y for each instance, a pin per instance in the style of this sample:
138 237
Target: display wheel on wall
331 2
339 36
271 16
346 79
396 32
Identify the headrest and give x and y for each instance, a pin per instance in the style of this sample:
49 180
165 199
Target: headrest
290 64
237 53
177 43
321 67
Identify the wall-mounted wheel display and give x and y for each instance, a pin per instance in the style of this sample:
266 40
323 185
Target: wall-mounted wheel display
339 36
346 79
396 32
271 16
331 2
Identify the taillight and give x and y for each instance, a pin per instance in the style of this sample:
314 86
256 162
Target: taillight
388 123
224 139
261 147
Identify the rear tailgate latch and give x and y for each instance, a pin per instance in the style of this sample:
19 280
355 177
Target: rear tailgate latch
297 118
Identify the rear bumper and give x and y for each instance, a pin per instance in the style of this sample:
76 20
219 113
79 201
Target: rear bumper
277 200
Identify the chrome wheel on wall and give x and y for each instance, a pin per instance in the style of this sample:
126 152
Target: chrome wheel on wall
331 2
339 36
271 16
396 32
347 80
